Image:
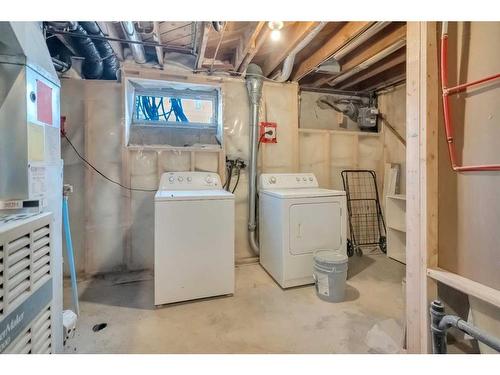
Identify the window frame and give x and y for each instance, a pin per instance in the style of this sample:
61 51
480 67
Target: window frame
212 94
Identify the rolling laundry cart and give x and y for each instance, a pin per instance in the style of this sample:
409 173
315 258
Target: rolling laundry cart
366 223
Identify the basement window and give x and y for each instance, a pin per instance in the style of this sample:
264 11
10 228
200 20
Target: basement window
163 114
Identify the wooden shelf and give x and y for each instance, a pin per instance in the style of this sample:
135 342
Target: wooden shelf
395 216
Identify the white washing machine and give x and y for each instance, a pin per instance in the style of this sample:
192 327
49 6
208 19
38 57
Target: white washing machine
297 217
194 237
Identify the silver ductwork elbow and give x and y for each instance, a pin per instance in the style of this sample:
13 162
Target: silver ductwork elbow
132 35
254 81
287 68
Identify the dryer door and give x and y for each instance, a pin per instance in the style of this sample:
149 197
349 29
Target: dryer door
315 226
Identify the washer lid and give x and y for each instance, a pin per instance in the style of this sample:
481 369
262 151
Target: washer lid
302 193
192 195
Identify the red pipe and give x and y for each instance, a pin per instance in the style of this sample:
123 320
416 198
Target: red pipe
447 111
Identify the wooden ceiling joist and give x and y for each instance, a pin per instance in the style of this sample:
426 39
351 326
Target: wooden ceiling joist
248 41
387 78
367 51
292 38
156 38
254 48
397 58
345 34
203 45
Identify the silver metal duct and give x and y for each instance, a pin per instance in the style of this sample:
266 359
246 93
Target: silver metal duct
254 86
287 68
131 34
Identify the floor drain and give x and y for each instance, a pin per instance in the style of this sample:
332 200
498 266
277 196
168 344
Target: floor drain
99 327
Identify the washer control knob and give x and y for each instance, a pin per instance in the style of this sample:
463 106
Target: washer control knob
272 180
189 179
304 179
310 179
171 179
209 179
298 179
180 179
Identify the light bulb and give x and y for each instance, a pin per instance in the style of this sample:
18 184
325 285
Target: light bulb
275 35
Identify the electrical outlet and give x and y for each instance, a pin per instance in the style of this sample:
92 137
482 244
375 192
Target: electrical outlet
267 132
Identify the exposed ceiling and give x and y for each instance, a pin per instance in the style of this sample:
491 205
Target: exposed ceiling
364 56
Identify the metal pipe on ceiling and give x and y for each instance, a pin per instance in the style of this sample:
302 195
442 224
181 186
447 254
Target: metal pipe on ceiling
132 35
358 40
369 62
144 43
287 68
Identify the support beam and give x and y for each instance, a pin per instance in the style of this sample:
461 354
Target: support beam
391 76
156 38
342 37
376 69
254 48
291 39
247 43
203 45
467 286
422 100
393 37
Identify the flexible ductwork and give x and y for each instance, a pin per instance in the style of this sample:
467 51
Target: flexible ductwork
108 56
254 86
93 65
131 34
287 68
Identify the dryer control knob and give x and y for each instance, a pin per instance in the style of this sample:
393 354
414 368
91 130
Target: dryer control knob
272 180
298 179
310 179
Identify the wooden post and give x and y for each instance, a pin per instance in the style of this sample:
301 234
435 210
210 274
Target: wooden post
421 180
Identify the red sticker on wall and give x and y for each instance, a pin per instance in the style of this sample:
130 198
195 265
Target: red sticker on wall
43 103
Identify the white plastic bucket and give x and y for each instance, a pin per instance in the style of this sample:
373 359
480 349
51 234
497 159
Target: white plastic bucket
330 274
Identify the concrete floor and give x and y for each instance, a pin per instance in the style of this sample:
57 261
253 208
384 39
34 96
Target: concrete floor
259 318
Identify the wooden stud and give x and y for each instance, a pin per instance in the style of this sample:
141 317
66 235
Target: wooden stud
467 286
421 180
292 37
345 34
156 38
374 71
203 45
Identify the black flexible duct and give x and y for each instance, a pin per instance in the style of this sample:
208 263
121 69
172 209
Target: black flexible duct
109 59
93 65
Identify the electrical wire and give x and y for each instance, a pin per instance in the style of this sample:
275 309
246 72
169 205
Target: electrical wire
237 180
102 174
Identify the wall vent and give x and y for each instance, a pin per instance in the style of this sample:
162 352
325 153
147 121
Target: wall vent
25 285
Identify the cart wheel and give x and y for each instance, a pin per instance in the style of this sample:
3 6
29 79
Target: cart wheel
350 249
383 244
358 251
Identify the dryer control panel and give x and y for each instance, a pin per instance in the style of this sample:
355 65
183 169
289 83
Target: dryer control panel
287 181
190 181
